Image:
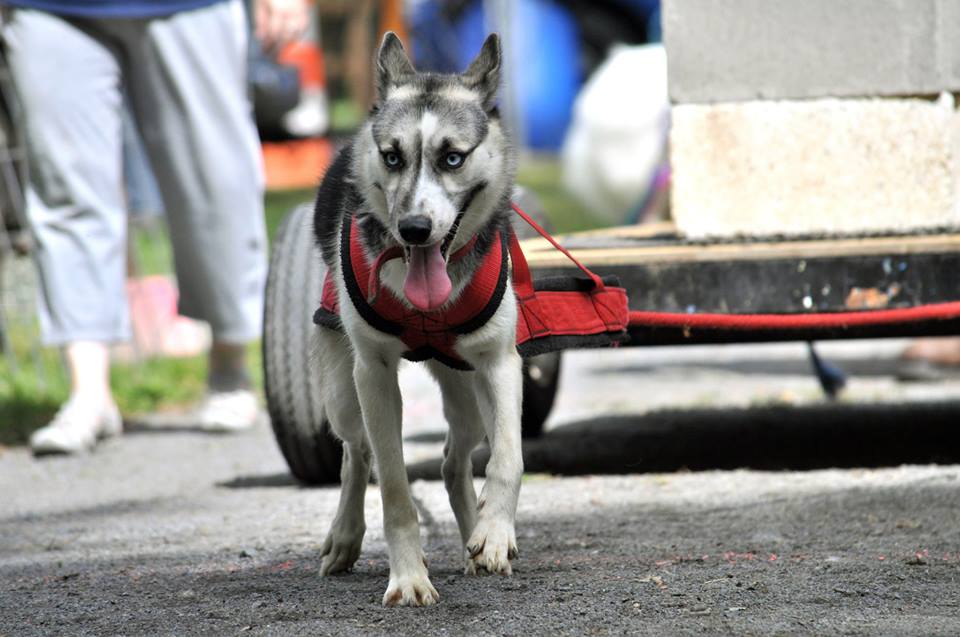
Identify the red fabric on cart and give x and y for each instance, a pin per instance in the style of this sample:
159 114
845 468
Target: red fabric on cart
602 309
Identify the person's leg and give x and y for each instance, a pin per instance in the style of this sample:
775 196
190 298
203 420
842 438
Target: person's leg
187 79
143 194
89 366
930 359
68 81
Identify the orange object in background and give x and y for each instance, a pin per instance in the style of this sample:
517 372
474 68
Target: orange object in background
308 58
298 163
391 19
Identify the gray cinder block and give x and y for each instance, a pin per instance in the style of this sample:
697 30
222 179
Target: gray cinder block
728 50
772 168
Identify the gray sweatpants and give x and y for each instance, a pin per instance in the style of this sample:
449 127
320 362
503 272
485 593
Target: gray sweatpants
186 79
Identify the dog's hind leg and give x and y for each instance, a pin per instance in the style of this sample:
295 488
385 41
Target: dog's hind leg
493 542
342 545
463 415
375 373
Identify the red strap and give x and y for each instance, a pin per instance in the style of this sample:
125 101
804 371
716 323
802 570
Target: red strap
825 320
373 281
522 283
546 235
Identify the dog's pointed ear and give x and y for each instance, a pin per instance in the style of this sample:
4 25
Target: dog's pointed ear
393 65
483 74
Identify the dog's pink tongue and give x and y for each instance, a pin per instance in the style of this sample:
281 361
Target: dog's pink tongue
428 285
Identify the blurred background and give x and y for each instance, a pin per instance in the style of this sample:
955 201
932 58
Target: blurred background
585 95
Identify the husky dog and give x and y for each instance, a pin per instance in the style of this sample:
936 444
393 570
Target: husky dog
429 175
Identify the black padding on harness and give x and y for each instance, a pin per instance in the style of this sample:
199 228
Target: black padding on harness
571 283
547 344
327 319
426 353
353 287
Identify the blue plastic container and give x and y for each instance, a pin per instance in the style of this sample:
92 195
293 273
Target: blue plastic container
543 65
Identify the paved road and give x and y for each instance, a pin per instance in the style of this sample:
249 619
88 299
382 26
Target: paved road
169 531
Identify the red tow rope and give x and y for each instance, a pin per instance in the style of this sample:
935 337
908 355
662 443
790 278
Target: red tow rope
822 320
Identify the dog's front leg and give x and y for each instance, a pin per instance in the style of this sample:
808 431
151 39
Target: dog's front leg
493 542
333 360
375 373
465 419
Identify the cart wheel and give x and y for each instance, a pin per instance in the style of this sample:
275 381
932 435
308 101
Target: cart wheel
541 375
299 423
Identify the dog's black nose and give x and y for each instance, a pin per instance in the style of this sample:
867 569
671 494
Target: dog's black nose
416 229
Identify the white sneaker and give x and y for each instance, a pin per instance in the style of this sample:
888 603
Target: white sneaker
77 427
227 411
309 117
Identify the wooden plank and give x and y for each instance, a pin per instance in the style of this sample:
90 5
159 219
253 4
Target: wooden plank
638 231
623 252
792 285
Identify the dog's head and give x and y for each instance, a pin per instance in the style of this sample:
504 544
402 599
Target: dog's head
433 161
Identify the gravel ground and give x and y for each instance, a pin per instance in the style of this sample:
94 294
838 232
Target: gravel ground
169 531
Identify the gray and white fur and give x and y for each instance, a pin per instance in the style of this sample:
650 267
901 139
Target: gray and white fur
432 151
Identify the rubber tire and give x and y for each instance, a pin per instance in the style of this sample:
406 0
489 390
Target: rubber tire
541 376
294 282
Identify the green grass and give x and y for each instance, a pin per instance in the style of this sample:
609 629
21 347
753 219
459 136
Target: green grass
31 393
542 175
345 116
33 389
36 384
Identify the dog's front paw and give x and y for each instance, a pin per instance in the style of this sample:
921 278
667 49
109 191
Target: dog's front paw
491 547
341 549
410 590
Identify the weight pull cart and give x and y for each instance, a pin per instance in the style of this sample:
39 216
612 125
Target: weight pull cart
680 292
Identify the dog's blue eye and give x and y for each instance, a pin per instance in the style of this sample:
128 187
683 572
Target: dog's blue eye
391 159
453 160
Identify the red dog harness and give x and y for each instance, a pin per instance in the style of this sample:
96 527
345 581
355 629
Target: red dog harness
553 313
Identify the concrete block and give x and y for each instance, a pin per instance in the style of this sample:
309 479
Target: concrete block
730 50
834 167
